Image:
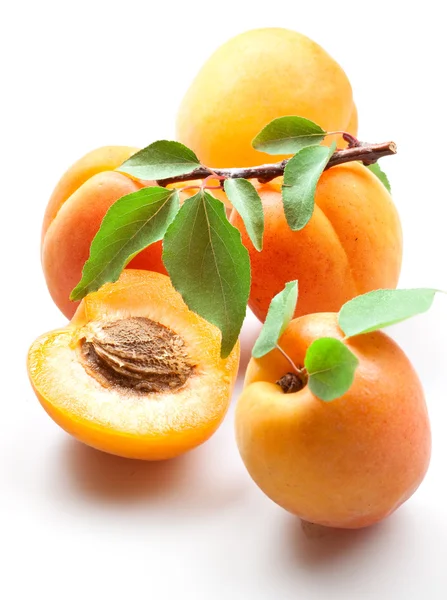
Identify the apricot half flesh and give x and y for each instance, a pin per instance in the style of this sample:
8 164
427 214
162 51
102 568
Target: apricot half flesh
135 373
347 463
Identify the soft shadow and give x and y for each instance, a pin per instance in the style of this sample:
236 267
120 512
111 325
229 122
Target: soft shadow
317 547
185 482
117 479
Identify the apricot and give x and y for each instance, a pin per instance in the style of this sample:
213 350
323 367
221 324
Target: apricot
352 128
347 463
351 245
74 214
353 124
252 79
135 373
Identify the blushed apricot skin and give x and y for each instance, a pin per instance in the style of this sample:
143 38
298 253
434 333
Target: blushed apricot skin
252 79
351 245
149 426
74 214
106 158
347 463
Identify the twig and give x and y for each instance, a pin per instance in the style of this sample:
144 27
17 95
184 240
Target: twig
366 153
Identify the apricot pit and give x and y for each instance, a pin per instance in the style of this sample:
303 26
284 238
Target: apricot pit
135 353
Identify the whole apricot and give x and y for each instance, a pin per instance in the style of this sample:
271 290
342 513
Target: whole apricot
74 214
347 463
351 245
252 79
135 373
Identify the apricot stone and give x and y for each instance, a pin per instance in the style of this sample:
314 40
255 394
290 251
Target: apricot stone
347 463
135 373
351 245
252 79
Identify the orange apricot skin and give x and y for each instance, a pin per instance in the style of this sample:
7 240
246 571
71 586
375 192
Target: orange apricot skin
252 79
351 245
150 427
74 214
106 158
347 463
353 124
351 128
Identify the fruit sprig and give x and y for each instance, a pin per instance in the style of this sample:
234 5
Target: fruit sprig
202 251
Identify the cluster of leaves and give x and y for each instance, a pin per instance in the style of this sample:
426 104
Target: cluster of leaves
203 253
329 363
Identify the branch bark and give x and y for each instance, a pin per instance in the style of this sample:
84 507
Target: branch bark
365 153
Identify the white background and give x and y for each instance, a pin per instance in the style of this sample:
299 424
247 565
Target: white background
75 523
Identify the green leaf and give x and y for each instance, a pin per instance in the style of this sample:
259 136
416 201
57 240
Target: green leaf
375 168
245 199
382 308
131 223
161 160
279 315
301 176
209 265
331 367
287 135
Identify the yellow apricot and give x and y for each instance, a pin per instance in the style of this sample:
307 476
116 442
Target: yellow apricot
253 78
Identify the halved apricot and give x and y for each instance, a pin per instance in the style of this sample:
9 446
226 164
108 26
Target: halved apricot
135 373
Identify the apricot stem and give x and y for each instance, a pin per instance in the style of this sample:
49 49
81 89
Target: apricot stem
363 152
292 382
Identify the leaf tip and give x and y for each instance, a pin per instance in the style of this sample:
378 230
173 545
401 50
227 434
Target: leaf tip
77 293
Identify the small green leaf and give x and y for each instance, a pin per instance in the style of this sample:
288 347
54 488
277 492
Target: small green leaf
375 168
301 176
131 223
209 265
245 199
279 315
331 367
382 308
287 135
161 160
